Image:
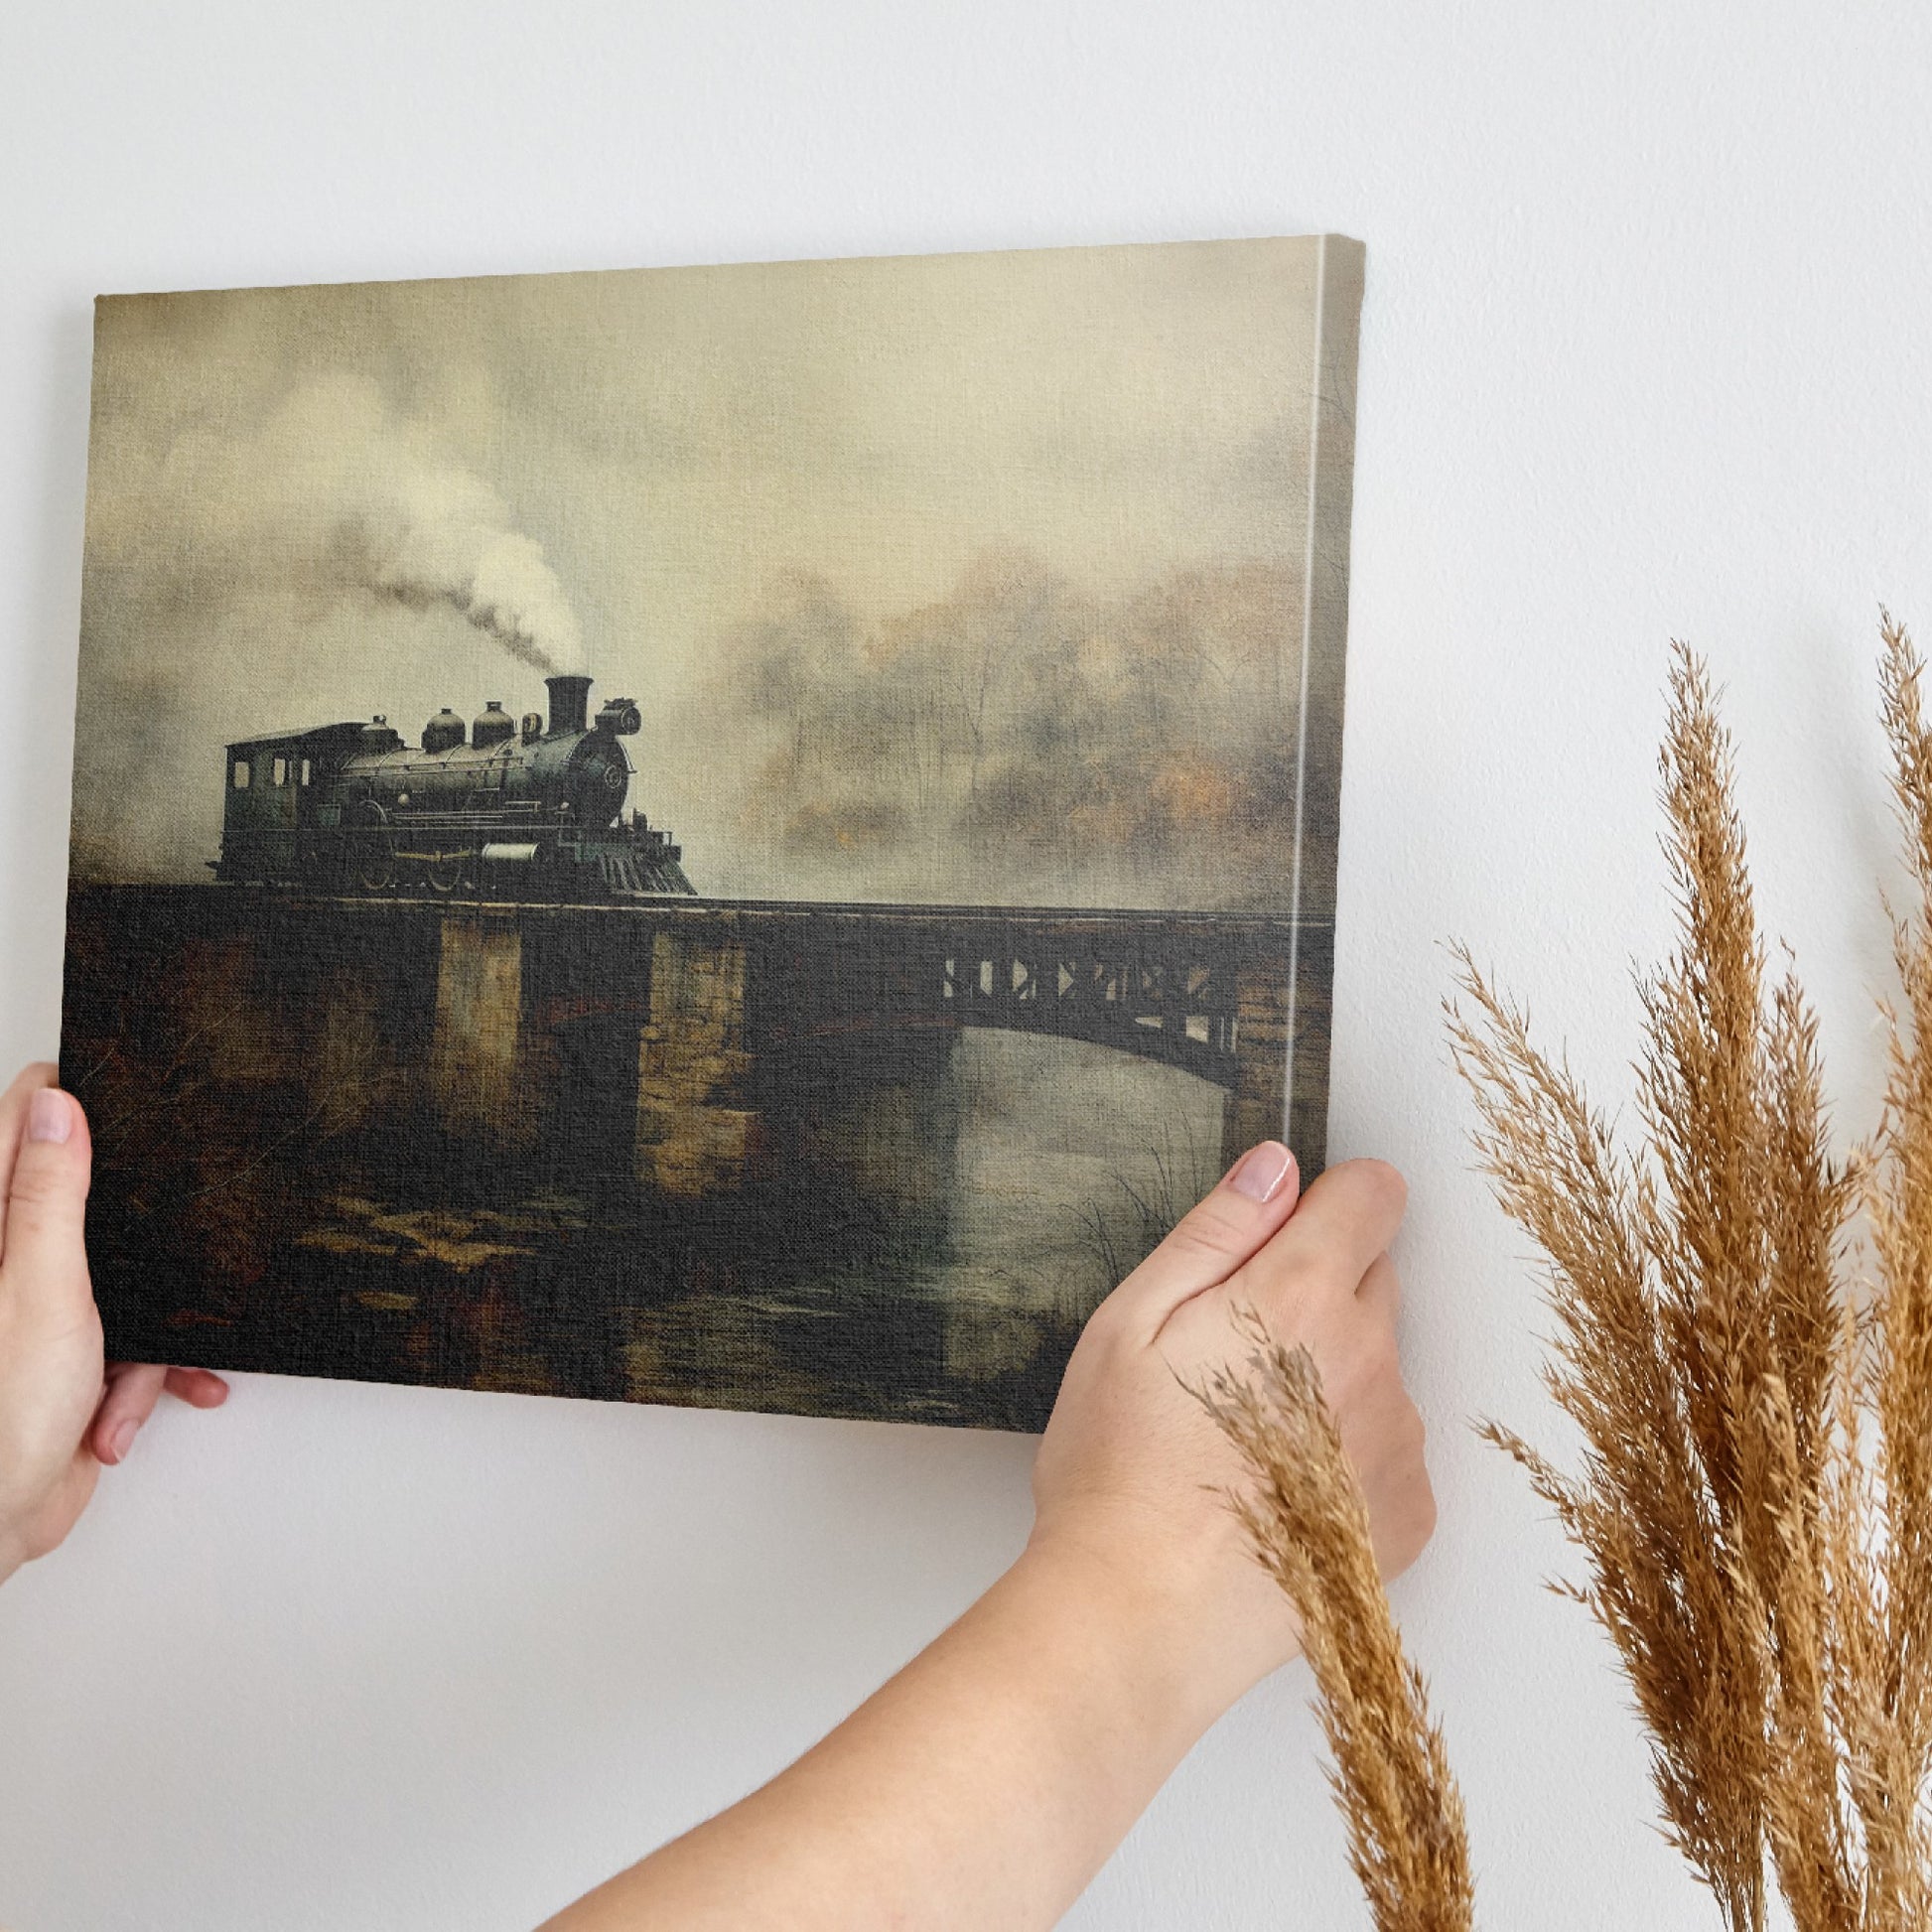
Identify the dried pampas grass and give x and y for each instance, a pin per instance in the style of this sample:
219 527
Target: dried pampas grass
1754 1498
1308 1522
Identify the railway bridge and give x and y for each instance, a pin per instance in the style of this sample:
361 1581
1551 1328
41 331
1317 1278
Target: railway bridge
699 1036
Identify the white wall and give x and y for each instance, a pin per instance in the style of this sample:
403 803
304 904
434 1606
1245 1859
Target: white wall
1645 352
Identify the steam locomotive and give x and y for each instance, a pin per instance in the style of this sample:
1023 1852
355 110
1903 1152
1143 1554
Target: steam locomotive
504 811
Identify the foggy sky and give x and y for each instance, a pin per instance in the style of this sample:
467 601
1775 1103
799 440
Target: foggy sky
937 577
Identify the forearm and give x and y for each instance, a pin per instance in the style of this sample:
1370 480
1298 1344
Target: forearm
984 1785
990 1779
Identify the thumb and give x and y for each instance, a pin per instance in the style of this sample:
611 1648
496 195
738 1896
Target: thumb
43 1264
1233 1221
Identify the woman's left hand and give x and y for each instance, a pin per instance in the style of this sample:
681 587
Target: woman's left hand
64 1411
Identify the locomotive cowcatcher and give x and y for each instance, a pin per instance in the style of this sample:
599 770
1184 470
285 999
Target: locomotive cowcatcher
504 811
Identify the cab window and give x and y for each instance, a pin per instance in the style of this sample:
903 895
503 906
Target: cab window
305 771
242 774
281 772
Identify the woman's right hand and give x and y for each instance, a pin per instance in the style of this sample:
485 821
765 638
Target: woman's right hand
1129 1476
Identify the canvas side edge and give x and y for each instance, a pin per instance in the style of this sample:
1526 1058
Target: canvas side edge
1331 501
100 305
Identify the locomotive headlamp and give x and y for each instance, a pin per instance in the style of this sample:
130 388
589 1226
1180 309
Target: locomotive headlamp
621 715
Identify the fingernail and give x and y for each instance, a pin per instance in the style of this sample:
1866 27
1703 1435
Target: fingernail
1262 1171
122 1439
50 1115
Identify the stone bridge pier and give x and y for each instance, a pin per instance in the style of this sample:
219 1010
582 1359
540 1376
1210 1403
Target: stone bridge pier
490 1056
741 1075
699 1127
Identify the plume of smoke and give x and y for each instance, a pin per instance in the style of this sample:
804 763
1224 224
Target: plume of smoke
244 572
335 496
403 522
439 536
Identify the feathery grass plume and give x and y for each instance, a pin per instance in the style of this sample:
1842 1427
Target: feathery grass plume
1888 1691
1755 1497
1306 1519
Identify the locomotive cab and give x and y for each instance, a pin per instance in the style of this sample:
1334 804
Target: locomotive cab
276 799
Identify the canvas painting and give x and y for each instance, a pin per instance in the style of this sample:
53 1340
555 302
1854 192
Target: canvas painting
741 836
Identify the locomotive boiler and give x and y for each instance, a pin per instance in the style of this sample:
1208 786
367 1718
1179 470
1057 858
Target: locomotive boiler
506 809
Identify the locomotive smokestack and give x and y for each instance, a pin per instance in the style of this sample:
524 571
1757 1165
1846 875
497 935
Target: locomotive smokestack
570 702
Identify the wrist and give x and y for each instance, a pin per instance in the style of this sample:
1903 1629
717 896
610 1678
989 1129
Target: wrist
1166 1637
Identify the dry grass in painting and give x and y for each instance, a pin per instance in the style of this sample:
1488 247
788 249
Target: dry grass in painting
1308 1521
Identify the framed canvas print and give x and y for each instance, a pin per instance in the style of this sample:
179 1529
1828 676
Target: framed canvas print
741 836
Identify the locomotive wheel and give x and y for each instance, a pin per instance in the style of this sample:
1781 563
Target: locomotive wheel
373 863
447 871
